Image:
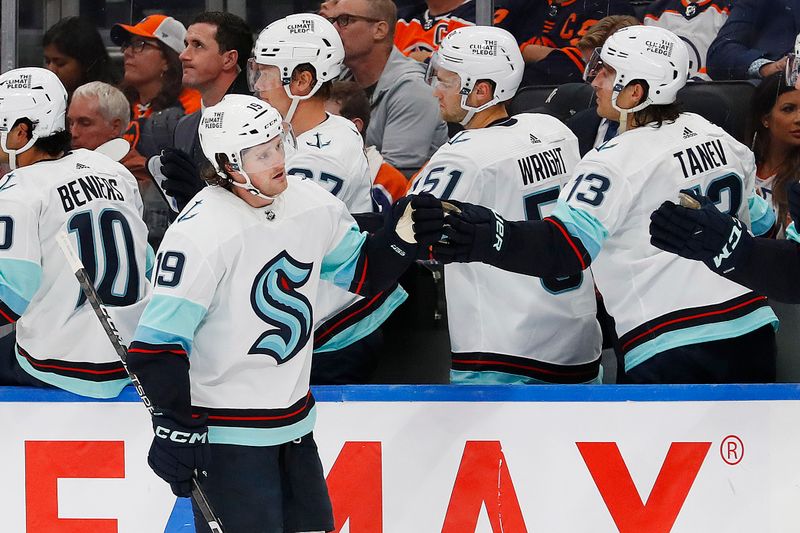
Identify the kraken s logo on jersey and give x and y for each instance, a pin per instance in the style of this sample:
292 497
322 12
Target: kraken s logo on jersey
275 300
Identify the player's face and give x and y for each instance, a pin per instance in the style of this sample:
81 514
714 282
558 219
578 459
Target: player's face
202 61
447 90
87 125
267 85
68 69
783 120
602 85
265 166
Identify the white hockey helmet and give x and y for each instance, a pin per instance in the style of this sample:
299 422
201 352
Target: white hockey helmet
236 123
793 65
648 53
479 53
35 94
293 41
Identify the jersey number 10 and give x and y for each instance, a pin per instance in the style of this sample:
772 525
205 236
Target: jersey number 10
100 240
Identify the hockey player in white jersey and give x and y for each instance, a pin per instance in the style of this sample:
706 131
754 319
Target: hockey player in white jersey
235 291
506 327
676 321
295 61
51 191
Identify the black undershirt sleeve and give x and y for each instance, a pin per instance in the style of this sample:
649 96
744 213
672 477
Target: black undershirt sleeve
542 248
771 268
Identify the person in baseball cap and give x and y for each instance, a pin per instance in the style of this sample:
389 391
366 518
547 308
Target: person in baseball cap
153 71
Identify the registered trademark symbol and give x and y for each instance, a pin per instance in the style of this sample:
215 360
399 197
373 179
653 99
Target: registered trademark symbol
731 449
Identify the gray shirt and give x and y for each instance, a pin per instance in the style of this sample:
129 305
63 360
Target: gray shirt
405 124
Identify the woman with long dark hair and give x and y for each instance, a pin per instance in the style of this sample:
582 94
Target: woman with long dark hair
775 134
74 51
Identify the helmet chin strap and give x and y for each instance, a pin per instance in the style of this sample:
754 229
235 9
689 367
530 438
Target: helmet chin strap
296 99
252 189
623 113
12 154
472 110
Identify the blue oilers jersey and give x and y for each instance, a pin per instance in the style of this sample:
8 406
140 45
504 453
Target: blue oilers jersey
96 202
507 327
235 292
660 300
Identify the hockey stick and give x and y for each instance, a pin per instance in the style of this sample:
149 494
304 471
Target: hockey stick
78 269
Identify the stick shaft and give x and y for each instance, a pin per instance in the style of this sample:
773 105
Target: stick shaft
76 265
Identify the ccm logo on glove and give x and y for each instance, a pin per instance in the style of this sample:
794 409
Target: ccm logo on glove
181 437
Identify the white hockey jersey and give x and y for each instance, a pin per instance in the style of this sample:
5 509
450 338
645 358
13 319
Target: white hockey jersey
235 290
332 154
96 201
507 327
696 23
660 300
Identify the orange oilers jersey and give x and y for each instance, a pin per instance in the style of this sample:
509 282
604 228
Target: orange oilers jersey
419 31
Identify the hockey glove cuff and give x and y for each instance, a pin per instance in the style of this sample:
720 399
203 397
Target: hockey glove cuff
180 451
476 233
703 234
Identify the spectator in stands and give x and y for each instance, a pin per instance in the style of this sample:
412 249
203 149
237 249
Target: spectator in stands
775 132
74 51
755 39
697 22
153 72
597 34
99 113
349 100
215 64
421 27
551 54
590 126
404 123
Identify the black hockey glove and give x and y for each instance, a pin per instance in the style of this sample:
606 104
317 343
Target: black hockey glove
414 223
179 452
794 204
703 234
475 234
182 176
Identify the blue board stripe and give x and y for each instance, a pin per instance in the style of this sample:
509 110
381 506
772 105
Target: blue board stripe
479 393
